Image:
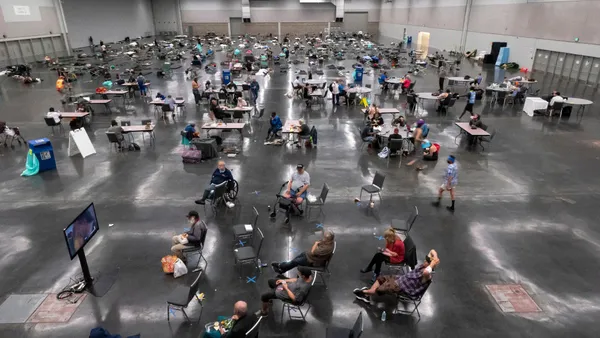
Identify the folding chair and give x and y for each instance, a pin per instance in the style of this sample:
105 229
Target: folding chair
395 147
319 202
375 187
249 254
241 234
342 332
180 298
487 139
406 225
297 306
253 332
50 123
325 268
113 140
414 301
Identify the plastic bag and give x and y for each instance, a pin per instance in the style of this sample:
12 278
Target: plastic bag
168 263
32 166
179 269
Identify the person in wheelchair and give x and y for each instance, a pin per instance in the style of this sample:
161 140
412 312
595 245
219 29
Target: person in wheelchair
220 175
412 284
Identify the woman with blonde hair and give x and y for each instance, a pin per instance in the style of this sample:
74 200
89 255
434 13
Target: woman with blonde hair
392 253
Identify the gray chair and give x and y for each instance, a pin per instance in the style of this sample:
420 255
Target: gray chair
319 202
395 147
238 115
51 123
364 143
487 139
325 268
125 123
112 138
197 250
342 332
414 301
180 298
406 225
297 306
241 234
217 197
249 254
253 332
375 187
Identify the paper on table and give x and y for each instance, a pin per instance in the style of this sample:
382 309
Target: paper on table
248 227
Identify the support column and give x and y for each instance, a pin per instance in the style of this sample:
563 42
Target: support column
465 30
178 14
328 27
279 32
63 24
229 27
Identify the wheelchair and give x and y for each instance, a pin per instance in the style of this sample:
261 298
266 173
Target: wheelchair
232 190
286 204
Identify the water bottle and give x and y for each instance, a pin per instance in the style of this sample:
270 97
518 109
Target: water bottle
259 263
383 316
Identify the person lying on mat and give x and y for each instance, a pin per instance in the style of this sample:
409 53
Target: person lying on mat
413 284
319 253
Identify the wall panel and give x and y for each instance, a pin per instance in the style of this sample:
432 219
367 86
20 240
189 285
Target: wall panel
48 23
301 28
262 28
203 28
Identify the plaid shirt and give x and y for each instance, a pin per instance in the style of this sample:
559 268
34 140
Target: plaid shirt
412 283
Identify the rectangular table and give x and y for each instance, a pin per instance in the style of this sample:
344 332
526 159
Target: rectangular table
103 102
382 111
534 103
244 110
466 129
141 129
223 126
121 93
76 115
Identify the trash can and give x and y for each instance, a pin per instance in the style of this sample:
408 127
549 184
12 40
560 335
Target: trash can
358 75
226 76
43 151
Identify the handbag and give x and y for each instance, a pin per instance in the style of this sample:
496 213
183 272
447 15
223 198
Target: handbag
168 263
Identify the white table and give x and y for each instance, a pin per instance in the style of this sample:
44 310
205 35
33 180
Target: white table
359 90
394 80
421 97
460 80
582 103
534 103
314 82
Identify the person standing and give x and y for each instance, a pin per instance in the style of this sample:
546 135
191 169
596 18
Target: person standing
254 88
196 90
91 39
471 96
335 93
442 76
141 81
449 184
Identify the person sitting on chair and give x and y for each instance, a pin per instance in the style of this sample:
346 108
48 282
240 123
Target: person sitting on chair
241 102
444 100
400 121
220 175
556 98
297 188
232 87
190 131
406 84
430 151
377 119
216 112
395 136
51 113
293 290
118 131
367 133
392 253
160 96
275 127
191 238
413 284
242 321
319 253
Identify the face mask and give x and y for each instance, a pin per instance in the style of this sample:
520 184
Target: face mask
221 170
191 221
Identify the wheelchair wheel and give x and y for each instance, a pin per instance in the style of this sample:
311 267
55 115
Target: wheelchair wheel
233 190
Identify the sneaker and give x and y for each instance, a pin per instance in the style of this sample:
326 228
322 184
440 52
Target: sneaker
273 214
359 291
202 201
229 205
364 298
275 267
287 220
259 313
450 208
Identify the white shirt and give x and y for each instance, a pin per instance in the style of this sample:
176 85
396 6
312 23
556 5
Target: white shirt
55 115
296 83
555 99
103 48
335 88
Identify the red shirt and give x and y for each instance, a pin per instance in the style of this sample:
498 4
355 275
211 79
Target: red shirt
397 247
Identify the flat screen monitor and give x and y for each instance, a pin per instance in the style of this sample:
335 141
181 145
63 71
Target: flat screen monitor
81 230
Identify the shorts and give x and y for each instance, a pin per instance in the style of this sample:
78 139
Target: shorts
445 187
387 284
293 193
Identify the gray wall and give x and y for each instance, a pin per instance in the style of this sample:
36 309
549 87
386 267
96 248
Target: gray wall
107 20
42 20
166 16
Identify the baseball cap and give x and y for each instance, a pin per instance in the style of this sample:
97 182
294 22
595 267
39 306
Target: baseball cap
300 166
194 214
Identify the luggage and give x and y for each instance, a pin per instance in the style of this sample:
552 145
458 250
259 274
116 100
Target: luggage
566 112
191 156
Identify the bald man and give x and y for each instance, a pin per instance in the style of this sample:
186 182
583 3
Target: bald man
220 175
243 321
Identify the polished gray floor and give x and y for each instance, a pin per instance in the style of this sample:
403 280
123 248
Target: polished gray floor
524 215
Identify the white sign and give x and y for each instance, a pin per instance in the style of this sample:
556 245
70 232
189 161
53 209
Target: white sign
79 143
22 10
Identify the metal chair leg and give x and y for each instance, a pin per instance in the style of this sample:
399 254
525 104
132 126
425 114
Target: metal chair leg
168 312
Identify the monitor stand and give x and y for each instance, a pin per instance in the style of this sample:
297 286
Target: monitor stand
96 286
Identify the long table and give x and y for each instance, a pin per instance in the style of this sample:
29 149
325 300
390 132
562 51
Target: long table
466 129
244 110
223 126
141 129
383 111
102 102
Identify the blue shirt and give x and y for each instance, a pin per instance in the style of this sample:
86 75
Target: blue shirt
160 96
254 86
219 177
472 96
452 174
276 123
382 78
189 128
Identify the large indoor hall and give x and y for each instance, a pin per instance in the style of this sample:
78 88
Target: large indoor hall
296 168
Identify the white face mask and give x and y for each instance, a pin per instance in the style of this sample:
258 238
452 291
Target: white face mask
221 170
191 221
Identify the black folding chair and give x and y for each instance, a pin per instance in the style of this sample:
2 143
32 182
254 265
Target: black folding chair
375 187
249 254
297 306
342 332
180 298
241 234
197 250
406 225
320 202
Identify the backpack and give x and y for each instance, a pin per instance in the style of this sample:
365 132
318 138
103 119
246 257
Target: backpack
134 147
425 129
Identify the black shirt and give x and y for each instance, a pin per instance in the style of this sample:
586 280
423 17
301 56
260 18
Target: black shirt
366 132
304 130
241 326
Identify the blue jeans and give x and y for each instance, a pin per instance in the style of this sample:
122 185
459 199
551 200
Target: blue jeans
293 193
369 138
207 191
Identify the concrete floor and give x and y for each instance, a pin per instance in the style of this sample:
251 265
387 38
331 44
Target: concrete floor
524 216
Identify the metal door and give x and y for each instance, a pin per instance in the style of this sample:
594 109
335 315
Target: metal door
27 51
236 26
594 71
541 60
48 48
568 65
38 50
14 53
552 59
4 57
577 59
586 67
560 63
